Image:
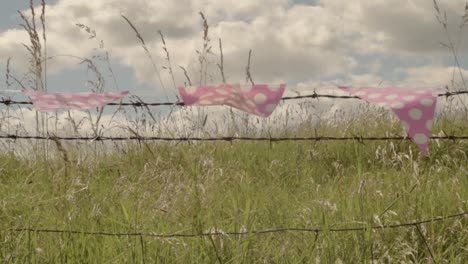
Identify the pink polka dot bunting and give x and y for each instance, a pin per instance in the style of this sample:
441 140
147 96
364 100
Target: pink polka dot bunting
258 99
414 108
48 102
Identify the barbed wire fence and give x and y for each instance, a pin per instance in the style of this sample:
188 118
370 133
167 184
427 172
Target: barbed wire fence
9 102
241 233
288 98
228 139
218 232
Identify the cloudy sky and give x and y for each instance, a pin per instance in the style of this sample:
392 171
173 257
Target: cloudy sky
309 44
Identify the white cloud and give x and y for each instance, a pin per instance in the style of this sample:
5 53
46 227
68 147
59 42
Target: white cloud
290 42
398 26
293 42
436 76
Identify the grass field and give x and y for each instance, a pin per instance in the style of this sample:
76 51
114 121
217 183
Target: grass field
290 201
236 187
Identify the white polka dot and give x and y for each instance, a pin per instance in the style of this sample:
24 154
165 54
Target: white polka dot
374 96
420 139
270 108
397 105
205 102
409 97
68 96
191 89
391 97
405 125
361 93
427 102
415 114
429 124
260 98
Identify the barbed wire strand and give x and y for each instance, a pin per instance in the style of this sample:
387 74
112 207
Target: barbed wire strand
229 139
254 232
313 96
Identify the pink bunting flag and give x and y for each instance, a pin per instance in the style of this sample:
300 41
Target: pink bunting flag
258 99
48 102
414 108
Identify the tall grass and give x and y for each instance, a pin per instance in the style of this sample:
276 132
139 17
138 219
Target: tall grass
235 187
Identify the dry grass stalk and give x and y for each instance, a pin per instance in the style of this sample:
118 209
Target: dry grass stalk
44 117
221 63
18 82
44 38
7 74
139 100
8 84
247 69
443 20
97 86
89 30
168 58
202 56
145 48
100 83
35 47
136 134
61 149
186 76
35 50
171 72
453 48
76 126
